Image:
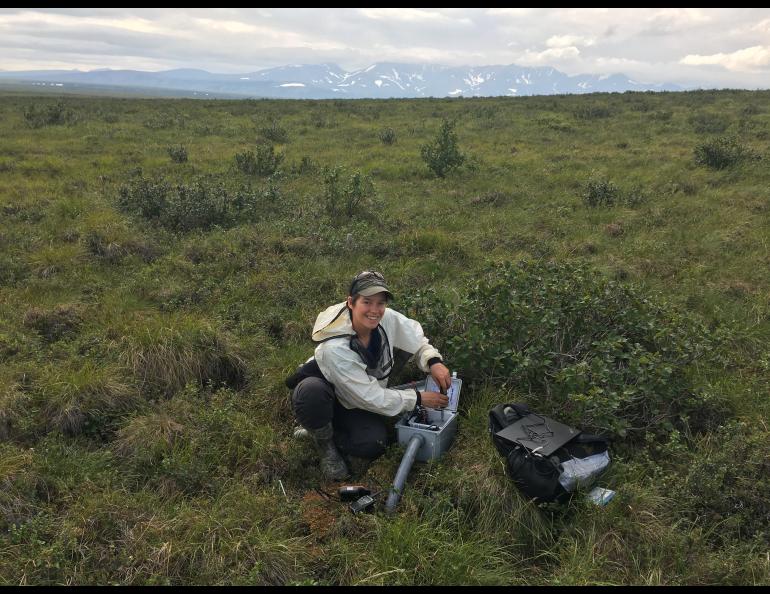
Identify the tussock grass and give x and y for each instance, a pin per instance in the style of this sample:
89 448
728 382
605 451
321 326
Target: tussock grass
166 352
83 398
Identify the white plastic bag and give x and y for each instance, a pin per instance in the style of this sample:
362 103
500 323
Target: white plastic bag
579 472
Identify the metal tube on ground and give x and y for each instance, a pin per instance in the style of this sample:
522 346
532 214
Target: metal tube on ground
403 471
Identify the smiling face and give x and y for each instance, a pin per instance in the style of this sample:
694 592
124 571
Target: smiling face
367 312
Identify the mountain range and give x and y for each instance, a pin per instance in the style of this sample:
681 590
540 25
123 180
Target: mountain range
326 81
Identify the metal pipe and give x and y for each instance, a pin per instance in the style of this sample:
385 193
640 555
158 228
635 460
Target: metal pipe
403 471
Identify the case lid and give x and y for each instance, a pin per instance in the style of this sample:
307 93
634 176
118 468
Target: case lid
453 392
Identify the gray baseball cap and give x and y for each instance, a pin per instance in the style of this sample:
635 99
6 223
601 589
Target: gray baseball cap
368 283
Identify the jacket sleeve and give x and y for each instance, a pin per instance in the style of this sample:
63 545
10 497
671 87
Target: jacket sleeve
354 387
408 336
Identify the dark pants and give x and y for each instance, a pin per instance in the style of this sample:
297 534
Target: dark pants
357 432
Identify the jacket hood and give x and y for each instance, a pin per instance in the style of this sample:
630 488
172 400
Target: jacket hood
332 322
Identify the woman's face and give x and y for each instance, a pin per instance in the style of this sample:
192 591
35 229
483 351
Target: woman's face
367 311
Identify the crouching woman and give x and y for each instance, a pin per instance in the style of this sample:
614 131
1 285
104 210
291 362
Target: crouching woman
340 396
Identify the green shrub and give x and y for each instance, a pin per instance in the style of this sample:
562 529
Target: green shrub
592 351
600 191
443 155
724 483
722 152
201 204
144 197
275 133
709 123
346 195
178 154
50 115
263 161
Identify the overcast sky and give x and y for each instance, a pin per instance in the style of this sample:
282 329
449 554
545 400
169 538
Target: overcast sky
710 47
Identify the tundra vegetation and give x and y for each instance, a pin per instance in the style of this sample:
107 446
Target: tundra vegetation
602 258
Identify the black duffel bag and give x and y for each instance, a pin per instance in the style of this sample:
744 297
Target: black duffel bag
536 476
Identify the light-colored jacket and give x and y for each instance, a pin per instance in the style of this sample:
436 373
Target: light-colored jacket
344 368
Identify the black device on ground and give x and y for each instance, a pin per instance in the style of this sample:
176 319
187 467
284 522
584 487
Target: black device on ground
539 434
364 504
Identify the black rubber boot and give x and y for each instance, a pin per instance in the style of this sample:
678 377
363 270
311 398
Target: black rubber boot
332 464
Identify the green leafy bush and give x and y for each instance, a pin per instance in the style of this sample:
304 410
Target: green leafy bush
593 352
178 154
345 195
724 482
275 133
50 115
601 191
722 152
263 161
201 204
443 155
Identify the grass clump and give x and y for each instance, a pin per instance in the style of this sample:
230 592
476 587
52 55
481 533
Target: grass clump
166 353
55 324
387 136
82 398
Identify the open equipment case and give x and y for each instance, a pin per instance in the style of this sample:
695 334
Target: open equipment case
437 427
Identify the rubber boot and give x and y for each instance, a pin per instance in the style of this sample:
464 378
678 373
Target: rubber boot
332 464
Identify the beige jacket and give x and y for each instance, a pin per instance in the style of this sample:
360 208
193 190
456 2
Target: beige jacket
344 368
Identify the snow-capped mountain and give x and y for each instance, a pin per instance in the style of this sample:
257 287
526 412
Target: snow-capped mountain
323 81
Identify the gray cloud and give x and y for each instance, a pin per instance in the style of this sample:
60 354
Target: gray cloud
710 47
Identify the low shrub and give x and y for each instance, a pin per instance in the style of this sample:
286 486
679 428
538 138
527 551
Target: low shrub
723 152
345 195
443 155
50 115
724 481
591 351
201 204
263 161
601 191
275 133
178 154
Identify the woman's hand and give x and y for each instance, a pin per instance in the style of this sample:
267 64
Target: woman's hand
434 399
440 373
